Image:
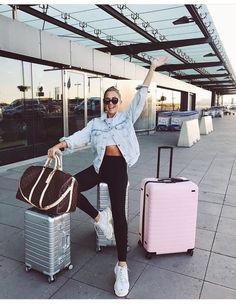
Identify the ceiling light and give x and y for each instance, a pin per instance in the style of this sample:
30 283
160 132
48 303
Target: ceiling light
183 20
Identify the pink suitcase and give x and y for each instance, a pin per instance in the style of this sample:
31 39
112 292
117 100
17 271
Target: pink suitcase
168 213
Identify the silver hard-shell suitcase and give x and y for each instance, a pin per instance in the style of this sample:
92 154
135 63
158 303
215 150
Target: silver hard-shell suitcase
47 242
103 201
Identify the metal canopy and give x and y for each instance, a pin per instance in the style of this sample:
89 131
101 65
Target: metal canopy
138 33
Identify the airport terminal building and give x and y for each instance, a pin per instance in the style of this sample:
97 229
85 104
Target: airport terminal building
57 61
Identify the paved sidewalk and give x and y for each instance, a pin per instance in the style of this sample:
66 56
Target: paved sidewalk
209 273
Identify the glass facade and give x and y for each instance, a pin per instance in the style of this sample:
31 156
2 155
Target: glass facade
40 104
167 100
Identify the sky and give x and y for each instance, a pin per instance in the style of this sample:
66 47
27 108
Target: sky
224 17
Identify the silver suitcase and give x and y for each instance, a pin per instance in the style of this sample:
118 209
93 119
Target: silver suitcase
103 201
47 242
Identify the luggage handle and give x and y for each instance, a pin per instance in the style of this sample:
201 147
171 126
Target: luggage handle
170 161
65 241
172 180
57 162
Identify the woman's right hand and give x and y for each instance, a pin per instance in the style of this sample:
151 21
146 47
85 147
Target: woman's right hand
158 62
52 152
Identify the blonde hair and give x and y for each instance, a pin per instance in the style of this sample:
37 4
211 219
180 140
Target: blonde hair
112 89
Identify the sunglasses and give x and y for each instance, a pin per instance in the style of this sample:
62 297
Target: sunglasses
107 100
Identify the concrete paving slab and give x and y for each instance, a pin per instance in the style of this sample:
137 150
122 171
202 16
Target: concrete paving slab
9 197
222 270
232 181
80 255
133 239
134 225
207 221
11 174
28 285
8 184
7 266
231 190
12 246
209 208
155 283
212 291
227 226
83 233
137 253
11 215
229 212
204 239
74 289
225 244
211 197
213 186
170 281
193 266
99 272
230 199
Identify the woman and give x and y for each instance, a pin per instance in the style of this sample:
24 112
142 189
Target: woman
115 146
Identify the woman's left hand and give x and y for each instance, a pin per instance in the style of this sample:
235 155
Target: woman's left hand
158 62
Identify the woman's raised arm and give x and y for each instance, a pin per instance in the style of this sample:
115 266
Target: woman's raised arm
154 64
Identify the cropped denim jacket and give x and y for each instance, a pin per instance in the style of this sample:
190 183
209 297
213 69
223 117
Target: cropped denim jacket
96 132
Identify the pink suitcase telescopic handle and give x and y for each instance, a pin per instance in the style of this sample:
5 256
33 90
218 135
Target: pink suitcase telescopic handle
159 157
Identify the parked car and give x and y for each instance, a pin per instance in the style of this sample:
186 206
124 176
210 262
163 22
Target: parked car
3 105
93 106
20 108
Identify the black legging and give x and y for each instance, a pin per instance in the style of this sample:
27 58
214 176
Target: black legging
113 171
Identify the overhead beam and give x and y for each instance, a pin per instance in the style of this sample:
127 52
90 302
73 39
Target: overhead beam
190 77
227 93
210 82
172 67
145 47
223 88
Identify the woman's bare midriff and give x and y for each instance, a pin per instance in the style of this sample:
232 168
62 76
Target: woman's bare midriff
112 150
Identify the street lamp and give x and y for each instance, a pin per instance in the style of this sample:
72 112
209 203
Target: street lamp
23 89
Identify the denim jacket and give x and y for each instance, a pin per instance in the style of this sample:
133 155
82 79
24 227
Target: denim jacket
96 132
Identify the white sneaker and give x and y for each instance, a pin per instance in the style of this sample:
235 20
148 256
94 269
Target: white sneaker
121 286
105 223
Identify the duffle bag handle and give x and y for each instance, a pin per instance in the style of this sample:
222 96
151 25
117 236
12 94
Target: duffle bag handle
57 161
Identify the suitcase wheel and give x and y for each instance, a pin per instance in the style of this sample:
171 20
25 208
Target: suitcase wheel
98 249
190 251
27 268
148 255
51 279
70 267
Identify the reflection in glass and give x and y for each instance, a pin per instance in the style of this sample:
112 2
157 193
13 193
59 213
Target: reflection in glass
30 110
167 100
